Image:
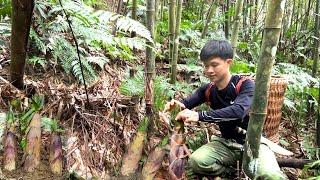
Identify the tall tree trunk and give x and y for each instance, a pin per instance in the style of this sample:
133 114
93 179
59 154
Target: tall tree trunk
306 16
316 60
211 12
161 9
150 62
156 9
172 23
297 15
226 20
134 9
20 28
259 104
134 15
176 44
119 7
236 23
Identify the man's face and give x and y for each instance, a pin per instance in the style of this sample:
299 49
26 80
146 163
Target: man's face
216 69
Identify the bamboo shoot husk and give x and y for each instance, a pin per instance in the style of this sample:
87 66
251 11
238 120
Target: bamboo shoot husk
32 151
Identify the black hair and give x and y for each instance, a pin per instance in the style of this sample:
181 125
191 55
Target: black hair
216 48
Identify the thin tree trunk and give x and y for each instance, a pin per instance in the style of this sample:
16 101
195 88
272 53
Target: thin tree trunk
176 44
211 12
259 104
134 9
161 9
236 23
150 62
156 9
297 16
226 20
306 19
119 7
293 12
134 15
172 23
21 22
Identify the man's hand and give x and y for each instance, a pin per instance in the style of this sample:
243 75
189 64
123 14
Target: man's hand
188 116
172 104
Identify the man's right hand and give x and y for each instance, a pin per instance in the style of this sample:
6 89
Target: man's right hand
172 104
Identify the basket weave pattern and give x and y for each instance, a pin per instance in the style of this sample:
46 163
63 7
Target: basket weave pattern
277 89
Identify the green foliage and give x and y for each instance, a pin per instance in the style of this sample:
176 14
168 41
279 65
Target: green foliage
312 171
143 125
133 86
242 67
23 143
196 141
37 61
50 125
299 86
36 104
249 50
97 4
298 94
70 61
97 32
5 8
163 90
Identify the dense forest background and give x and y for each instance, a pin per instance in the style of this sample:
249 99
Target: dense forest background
89 65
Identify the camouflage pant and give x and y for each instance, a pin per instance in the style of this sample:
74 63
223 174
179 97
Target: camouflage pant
220 155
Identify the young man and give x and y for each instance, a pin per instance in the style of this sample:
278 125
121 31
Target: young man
229 102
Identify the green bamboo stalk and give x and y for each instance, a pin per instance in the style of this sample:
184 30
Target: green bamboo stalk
236 23
20 28
259 105
172 23
176 44
212 11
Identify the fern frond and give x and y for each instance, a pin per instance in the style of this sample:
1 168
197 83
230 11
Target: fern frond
88 71
127 24
133 86
38 41
38 61
100 61
132 43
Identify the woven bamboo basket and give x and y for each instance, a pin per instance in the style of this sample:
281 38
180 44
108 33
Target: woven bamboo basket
277 89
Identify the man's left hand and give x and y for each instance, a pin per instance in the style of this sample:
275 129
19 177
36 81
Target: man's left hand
188 116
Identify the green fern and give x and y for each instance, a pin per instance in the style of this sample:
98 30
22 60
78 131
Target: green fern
163 90
70 61
38 42
38 61
93 32
100 61
133 86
